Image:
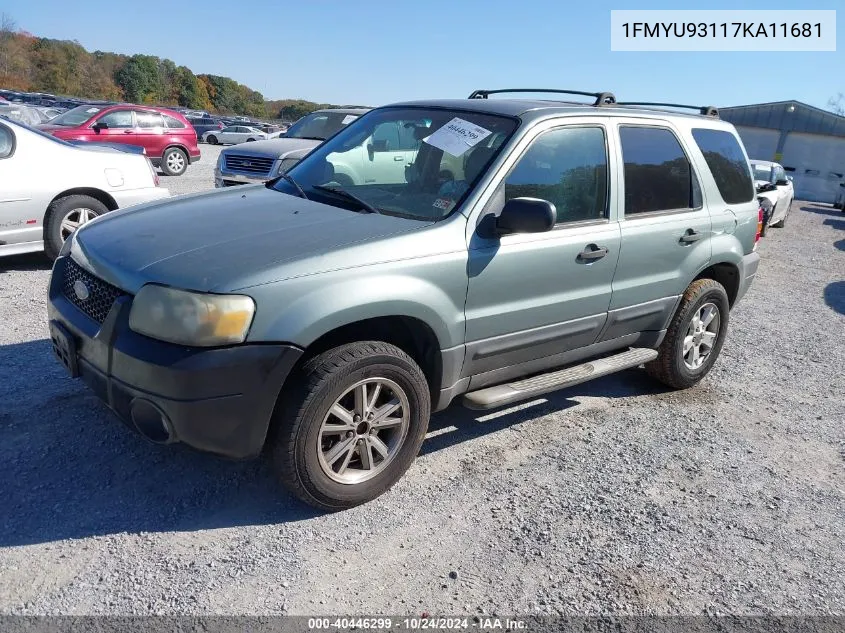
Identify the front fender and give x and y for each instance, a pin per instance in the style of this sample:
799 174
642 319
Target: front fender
301 310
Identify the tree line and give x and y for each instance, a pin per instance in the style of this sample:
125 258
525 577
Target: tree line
60 67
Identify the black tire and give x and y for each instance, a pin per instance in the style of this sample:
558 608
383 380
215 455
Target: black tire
174 162
305 403
669 367
211 139
58 211
250 140
766 205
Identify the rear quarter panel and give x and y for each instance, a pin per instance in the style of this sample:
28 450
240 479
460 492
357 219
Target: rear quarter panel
735 224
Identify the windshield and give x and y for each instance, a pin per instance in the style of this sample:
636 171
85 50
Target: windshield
41 133
762 172
320 125
418 163
75 117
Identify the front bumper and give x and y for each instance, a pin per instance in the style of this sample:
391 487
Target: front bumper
218 400
748 270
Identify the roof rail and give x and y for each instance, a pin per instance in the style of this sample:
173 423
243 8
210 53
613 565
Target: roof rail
704 110
601 98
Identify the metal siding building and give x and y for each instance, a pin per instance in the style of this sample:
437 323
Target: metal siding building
807 141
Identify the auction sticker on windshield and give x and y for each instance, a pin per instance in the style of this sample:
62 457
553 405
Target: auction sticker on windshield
457 136
348 119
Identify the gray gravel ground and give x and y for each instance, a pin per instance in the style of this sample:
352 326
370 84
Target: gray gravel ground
612 497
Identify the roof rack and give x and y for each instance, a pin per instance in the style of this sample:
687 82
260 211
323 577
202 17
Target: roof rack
601 98
705 110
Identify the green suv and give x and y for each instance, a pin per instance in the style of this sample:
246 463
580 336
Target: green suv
529 245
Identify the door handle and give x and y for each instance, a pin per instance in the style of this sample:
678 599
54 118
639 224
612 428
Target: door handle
127 131
592 252
691 236
398 158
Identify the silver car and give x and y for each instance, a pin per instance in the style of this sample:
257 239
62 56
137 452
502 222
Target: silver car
262 160
325 321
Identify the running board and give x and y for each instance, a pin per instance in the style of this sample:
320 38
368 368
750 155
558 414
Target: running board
501 395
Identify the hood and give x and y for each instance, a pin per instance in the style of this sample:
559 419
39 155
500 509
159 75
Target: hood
274 147
220 240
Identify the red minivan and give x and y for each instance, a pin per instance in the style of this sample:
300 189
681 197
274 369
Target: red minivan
169 140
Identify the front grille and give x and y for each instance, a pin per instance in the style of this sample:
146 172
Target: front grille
101 295
232 183
252 165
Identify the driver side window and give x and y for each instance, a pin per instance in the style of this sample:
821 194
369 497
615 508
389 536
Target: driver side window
117 119
567 167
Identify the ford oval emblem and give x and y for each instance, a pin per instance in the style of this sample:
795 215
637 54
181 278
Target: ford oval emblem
81 290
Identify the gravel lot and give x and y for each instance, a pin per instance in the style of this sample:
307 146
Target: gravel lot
611 497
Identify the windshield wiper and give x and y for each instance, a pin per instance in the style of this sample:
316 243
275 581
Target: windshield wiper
299 189
309 138
349 196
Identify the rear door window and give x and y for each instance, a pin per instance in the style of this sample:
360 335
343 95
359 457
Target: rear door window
149 119
658 174
727 163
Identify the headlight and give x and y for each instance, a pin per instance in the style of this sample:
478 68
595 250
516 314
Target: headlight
191 318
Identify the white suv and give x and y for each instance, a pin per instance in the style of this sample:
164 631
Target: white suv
49 187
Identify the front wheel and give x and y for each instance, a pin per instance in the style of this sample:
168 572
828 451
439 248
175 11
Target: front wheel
350 424
174 162
211 139
695 336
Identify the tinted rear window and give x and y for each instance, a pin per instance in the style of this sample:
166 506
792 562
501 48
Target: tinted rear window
173 123
658 174
727 164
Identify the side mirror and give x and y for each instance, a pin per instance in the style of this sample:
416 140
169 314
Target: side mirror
782 182
526 215
100 125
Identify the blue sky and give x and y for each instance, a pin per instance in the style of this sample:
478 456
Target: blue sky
378 51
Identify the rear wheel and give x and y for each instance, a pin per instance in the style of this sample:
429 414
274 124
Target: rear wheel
250 140
350 425
64 216
174 162
695 336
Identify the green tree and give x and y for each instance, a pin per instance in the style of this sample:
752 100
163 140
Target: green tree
139 78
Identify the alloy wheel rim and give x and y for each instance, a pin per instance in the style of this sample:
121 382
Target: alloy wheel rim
363 430
175 161
701 335
74 219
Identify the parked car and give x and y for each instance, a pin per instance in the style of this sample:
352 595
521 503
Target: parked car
233 135
327 321
167 137
49 187
205 124
774 190
20 112
264 160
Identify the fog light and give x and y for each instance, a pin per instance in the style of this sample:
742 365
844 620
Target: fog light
151 422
